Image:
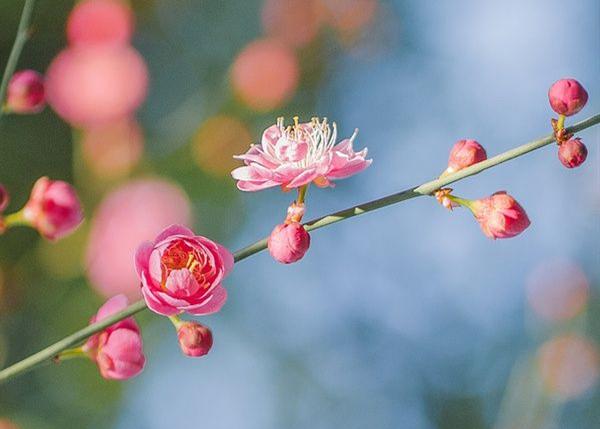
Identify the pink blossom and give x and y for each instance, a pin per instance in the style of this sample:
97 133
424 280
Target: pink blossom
288 242
25 92
567 97
255 80
100 22
500 216
53 208
94 85
464 154
117 350
154 204
194 339
294 156
182 272
572 153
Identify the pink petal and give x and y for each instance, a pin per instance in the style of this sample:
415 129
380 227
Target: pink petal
114 305
173 230
142 257
214 304
157 305
227 258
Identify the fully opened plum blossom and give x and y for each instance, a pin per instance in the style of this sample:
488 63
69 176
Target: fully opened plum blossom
296 155
182 272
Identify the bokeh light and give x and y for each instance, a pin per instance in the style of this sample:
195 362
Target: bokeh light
557 290
92 86
217 140
350 17
132 213
7 424
265 74
113 150
569 365
100 22
296 22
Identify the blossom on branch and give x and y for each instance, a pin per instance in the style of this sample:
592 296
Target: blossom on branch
182 272
297 155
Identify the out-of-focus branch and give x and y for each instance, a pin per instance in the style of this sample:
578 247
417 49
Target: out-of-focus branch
15 53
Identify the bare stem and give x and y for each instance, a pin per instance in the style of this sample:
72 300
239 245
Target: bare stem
15 53
428 188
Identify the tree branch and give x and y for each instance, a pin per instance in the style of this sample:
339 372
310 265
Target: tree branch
421 190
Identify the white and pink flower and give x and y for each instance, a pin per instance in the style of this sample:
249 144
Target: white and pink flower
297 155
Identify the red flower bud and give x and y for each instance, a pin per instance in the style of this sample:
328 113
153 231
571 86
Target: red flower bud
464 154
53 208
572 153
500 216
4 198
194 339
567 97
288 242
25 92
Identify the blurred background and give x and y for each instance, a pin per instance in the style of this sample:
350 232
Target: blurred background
405 318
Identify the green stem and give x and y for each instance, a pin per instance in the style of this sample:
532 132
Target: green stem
422 190
76 352
560 124
462 201
176 321
15 219
15 53
302 194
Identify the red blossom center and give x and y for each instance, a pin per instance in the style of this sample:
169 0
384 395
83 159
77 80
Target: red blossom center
181 256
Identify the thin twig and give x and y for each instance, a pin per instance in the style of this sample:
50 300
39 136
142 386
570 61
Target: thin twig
421 190
15 53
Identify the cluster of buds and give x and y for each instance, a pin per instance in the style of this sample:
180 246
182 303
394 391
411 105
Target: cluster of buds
53 209
499 215
567 97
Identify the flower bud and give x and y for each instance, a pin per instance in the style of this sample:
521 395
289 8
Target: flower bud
25 92
53 208
288 242
500 215
118 349
194 339
572 153
4 198
567 97
464 154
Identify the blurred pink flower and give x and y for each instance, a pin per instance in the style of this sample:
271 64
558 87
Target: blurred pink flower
557 290
500 216
53 208
130 214
194 339
4 198
567 96
296 22
182 272
25 92
265 74
117 350
465 153
569 365
91 86
294 156
572 153
98 22
288 242
7 424
113 150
